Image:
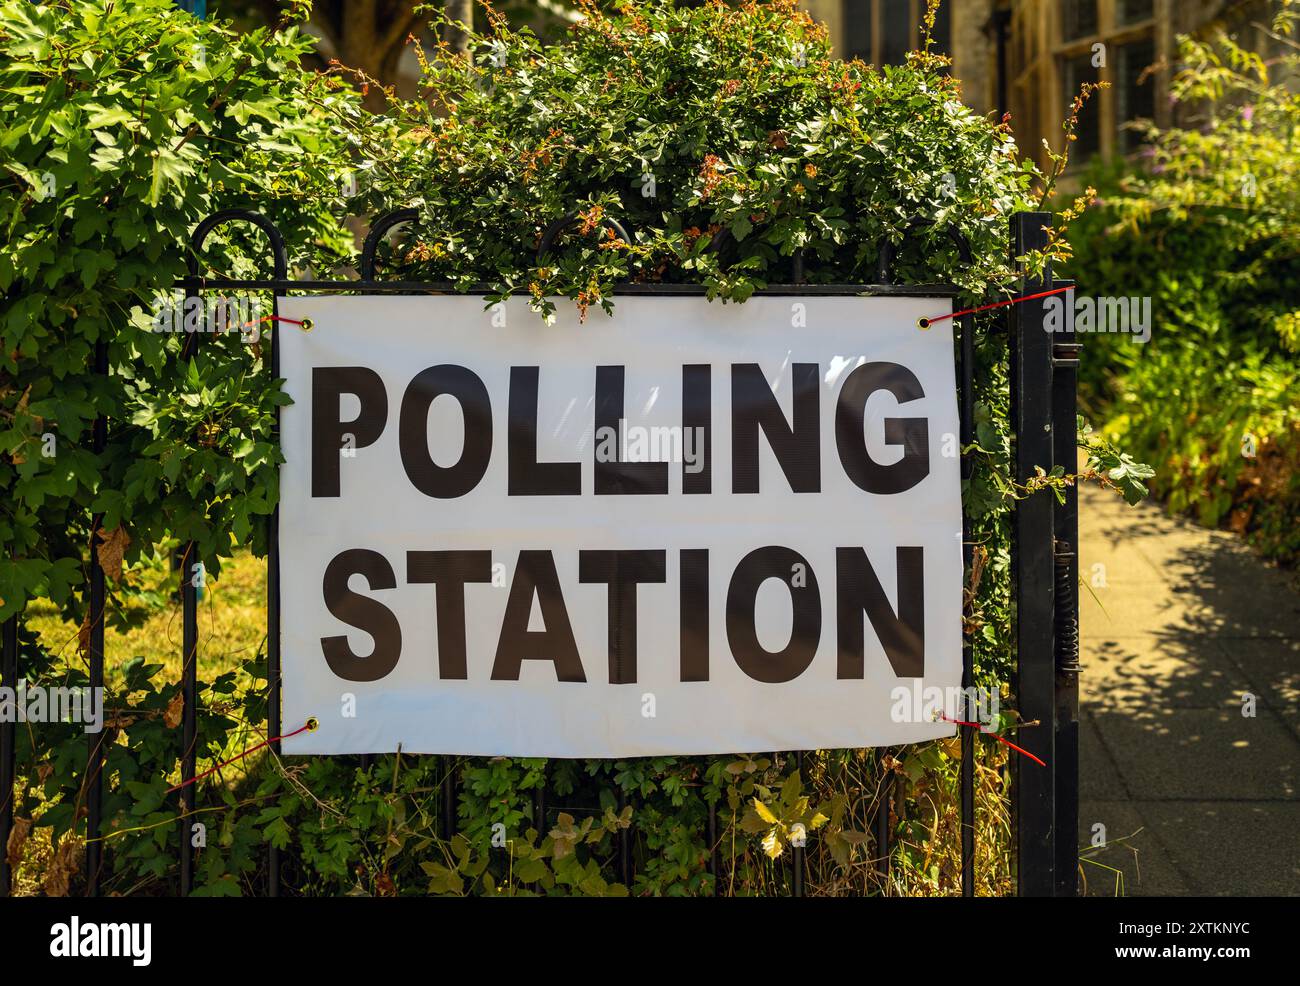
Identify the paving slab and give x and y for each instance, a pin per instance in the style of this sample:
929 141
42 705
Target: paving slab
1231 849
1099 778
1125 610
1168 670
1182 630
1273 670
1201 754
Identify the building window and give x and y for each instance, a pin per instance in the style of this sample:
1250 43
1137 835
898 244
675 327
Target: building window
859 33
1134 89
1134 11
1076 72
1106 41
1078 19
896 38
882 32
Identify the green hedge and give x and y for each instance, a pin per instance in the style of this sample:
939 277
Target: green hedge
1205 224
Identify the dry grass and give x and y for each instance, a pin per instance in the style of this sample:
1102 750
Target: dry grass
232 621
925 861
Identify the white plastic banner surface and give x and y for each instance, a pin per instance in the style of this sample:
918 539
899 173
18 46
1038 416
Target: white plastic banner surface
687 528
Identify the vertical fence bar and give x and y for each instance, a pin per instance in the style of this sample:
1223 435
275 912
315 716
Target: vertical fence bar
448 795
189 574
1032 563
966 426
624 839
8 752
880 823
885 790
624 834
713 864
797 860
449 806
1065 363
966 325
615 640
447 790
189 716
378 232
273 724
624 845
539 806
94 780
189 593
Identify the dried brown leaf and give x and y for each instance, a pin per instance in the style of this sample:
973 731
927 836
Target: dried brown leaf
112 547
63 867
17 837
175 709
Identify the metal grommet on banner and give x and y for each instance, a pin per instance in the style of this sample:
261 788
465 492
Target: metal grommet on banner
306 324
313 724
922 323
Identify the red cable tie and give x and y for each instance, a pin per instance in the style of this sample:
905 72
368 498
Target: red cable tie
1000 739
925 323
310 724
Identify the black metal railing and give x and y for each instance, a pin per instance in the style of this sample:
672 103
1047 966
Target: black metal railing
1045 575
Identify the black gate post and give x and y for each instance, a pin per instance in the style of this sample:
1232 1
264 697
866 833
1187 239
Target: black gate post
1034 572
1065 763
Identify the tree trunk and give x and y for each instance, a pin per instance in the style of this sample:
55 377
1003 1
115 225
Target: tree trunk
358 47
462 11
370 35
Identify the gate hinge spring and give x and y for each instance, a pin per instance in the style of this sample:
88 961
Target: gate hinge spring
1067 623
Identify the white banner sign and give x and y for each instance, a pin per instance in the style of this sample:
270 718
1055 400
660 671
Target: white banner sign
689 528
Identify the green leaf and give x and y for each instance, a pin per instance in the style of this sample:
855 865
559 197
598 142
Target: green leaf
764 812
